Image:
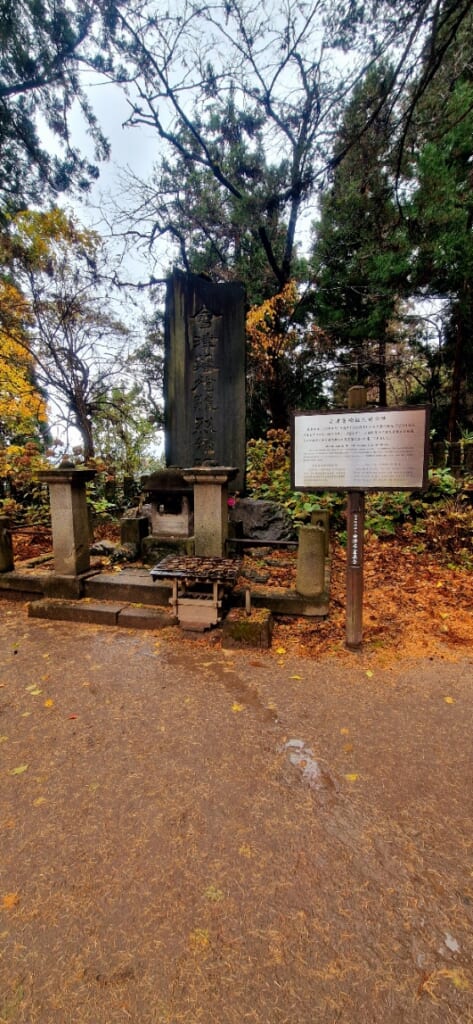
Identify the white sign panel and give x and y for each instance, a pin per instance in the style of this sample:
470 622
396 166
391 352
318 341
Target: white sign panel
372 449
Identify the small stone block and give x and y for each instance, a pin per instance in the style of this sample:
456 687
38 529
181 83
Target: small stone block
241 630
145 618
132 531
75 611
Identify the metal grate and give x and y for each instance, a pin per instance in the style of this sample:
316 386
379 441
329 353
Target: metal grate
198 569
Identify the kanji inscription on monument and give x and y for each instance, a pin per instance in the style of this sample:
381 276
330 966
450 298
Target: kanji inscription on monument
366 449
205 333
204 374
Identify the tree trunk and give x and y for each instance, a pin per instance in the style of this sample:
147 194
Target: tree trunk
453 414
463 317
382 383
85 428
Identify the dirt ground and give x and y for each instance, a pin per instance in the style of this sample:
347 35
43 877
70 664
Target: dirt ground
285 837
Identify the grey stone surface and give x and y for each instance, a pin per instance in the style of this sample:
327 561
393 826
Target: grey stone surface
155 548
75 611
69 519
132 531
126 553
19 586
285 602
145 618
210 508
103 547
262 520
204 383
132 587
65 587
310 576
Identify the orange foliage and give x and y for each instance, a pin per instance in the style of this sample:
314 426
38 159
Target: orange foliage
272 331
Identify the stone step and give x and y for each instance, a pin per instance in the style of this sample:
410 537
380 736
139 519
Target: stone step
131 585
135 587
103 613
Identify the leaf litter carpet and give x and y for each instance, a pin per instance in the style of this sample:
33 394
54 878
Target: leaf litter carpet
189 834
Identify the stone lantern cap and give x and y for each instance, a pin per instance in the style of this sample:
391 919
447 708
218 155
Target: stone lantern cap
209 474
170 480
65 475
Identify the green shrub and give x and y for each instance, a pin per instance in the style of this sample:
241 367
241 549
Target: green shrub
387 512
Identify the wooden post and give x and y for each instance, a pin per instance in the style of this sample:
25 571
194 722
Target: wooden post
355 536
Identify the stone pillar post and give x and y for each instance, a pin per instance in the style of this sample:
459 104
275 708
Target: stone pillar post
310 576
321 517
6 547
69 518
210 507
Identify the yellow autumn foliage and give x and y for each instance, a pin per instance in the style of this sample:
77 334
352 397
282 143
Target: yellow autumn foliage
33 235
273 332
21 405
268 326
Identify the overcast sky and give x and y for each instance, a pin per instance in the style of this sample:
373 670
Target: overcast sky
135 148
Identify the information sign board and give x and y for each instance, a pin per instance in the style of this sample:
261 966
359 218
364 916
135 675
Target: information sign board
363 450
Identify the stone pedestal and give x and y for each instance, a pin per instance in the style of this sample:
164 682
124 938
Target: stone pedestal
69 518
6 547
210 485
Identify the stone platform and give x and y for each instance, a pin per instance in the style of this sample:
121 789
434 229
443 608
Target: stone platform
133 596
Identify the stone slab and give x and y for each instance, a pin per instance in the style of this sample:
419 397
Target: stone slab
145 618
285 602
18 595
128 587
241 630
18 586
75 611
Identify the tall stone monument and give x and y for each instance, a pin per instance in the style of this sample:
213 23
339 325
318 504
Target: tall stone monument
204 379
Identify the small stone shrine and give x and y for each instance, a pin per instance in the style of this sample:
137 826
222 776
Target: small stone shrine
172 503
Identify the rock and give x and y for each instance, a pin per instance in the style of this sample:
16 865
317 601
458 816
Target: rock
241 630
125 553
103 547
262 520
255 577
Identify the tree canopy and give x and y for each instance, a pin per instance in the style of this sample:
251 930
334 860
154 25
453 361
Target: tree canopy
246 100
44 46
78 348
265 115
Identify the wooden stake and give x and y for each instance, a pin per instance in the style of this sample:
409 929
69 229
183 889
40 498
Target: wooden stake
355 537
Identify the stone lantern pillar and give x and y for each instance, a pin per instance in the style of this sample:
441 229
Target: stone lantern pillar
69 518
210 507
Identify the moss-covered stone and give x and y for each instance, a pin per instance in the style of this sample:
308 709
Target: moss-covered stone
242 630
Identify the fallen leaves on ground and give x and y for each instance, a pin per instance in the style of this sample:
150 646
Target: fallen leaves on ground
413 606
10 900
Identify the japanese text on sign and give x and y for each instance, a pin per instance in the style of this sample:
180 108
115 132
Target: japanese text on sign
376 449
